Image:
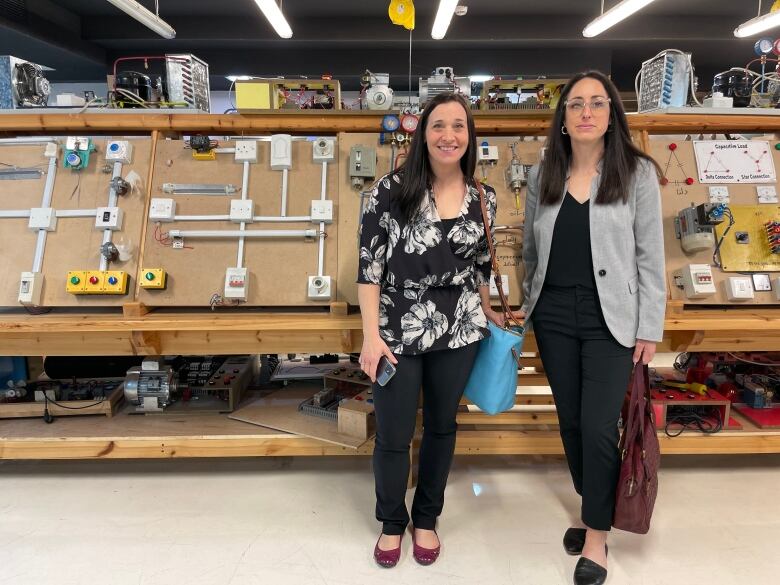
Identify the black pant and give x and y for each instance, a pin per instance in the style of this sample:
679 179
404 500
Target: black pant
443 375
588 371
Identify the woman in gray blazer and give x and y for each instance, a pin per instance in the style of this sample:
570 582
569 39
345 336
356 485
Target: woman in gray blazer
594 290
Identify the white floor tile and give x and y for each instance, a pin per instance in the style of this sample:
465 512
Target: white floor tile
309 521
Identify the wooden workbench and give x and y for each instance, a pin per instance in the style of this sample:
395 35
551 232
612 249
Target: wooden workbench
221 332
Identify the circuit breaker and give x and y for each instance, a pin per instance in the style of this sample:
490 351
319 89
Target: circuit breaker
236 283
697 281
30 286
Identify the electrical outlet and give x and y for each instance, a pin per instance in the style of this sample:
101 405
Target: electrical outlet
319 288
162 209
324 149
246 151
43 218
766 193
719 194
241 210
119 151
739 288
108 218
322 210
281 152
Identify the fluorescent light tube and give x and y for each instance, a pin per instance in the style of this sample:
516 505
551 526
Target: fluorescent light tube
480 78
614 15
443 17
274 15
758 25
145 17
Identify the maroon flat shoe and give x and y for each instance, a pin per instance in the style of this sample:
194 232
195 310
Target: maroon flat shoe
387 558
425 556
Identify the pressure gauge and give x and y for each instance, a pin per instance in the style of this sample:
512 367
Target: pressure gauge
763 46
390 123
409 123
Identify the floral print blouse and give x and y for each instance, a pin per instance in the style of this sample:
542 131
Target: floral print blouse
428 279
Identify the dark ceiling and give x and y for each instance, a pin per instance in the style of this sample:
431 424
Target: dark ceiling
81 38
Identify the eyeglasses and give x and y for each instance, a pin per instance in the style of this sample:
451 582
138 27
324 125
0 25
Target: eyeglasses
597 105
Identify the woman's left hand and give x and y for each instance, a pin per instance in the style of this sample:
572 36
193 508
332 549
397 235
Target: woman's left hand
644 351
494 316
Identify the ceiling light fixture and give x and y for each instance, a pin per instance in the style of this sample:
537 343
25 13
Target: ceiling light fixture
443 17
274 15
758 24
612 16
145 17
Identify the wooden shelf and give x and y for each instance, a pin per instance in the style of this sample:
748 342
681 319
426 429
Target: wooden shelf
172 332
128 436
333 121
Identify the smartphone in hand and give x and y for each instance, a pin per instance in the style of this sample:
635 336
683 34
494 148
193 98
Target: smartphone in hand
384 371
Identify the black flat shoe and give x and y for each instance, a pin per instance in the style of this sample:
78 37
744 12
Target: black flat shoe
574 540
589 573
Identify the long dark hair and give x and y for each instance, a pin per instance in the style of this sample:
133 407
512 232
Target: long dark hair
620 155
416 174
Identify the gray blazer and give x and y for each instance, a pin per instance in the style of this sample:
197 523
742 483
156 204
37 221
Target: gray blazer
627 245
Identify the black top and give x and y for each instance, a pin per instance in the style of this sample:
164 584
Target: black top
571 260
428 270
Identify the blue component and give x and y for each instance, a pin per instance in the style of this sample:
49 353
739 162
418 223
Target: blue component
484 143
112 280
114 147
73 159
390 123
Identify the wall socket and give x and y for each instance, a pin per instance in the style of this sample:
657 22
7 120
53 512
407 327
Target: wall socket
246 151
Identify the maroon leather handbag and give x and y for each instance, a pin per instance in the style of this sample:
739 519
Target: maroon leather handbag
641 455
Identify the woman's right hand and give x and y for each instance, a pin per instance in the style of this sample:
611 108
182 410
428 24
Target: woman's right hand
373 349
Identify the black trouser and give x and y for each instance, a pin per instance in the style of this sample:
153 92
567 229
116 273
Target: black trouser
442 375
588 371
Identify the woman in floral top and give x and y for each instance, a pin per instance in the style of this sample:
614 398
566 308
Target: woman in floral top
424 299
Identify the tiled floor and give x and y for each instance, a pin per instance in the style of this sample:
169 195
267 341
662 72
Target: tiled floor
310 522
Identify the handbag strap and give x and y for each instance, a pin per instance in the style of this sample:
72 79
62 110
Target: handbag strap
494 264
640 389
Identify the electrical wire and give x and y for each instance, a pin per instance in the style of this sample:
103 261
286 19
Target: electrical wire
727 213
740 359
693 420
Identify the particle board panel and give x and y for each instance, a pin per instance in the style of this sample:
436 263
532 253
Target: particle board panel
511 211
680 164
75 243
278 269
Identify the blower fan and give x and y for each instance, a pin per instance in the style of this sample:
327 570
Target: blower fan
31 88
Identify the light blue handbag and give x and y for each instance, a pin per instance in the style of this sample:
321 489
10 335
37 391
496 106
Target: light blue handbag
492 383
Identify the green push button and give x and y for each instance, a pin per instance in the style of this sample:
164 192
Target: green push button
149 276
75 280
